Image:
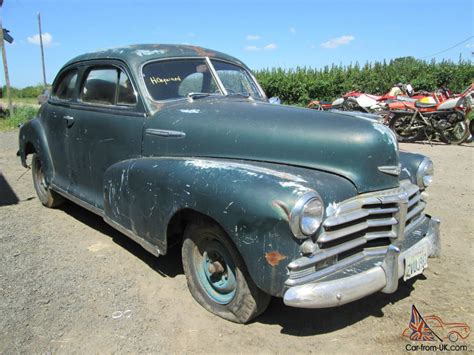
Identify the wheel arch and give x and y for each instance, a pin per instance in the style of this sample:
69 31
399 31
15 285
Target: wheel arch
181 219
32 139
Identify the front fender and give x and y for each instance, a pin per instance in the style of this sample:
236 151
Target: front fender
32 133
251 201
409 163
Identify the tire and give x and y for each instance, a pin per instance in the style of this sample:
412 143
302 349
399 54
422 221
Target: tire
456 134
471 127
217 277
47 197
399 123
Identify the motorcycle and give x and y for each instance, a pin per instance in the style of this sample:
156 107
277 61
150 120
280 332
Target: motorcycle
362 102
446 119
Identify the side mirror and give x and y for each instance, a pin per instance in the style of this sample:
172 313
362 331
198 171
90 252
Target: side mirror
274 100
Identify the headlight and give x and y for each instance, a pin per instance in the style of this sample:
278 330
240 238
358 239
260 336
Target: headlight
424 175
307 215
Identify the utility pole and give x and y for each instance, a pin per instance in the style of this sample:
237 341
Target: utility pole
42 50
5 68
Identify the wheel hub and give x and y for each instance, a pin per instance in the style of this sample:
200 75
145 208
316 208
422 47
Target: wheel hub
216 272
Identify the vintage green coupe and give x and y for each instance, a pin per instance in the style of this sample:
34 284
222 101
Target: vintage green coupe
178 145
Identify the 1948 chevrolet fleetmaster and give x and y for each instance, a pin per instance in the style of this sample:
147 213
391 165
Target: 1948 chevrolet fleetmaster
178 145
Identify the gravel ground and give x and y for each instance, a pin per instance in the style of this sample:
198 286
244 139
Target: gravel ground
69 283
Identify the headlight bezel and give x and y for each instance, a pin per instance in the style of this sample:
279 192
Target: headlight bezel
425 173
298 214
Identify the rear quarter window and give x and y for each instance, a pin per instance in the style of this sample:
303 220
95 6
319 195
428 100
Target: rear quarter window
64 89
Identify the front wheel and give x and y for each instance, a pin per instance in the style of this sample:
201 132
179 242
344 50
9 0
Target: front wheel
217 277
405 127
47 197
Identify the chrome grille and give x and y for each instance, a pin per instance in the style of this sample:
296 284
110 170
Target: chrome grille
370 220
363 225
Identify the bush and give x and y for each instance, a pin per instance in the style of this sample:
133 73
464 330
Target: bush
21 114
298 86
26 92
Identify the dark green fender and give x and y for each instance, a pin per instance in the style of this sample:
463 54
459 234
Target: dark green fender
33 139
250 200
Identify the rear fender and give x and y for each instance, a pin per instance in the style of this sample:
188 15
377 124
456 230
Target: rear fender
32 135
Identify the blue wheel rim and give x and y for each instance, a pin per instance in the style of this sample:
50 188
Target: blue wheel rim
216 272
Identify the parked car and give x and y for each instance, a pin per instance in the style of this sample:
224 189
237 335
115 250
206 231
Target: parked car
179 146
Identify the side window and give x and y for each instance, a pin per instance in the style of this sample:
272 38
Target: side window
100 86
126 94
64 89
108 86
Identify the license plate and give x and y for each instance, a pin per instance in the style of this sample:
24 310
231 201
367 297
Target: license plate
415 262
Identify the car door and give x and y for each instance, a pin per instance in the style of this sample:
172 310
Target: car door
107 128
55 119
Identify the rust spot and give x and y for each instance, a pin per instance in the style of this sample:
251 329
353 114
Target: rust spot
202 52
274 257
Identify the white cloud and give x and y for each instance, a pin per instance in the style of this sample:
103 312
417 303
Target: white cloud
312 46
253 37
47 39
191 34
336 42
252 48
470 45
270 47
292 30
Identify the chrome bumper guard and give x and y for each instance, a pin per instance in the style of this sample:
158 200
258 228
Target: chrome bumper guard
383 277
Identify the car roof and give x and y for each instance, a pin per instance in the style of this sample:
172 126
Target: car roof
137 54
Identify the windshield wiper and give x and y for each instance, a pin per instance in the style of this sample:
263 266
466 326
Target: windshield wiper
241 94
198 95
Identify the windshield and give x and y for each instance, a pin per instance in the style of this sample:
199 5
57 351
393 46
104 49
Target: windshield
236 80
176 79
166 80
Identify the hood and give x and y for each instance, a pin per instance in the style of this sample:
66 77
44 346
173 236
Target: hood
233 128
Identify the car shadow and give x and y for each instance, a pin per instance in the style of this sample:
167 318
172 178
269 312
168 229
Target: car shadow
308 322
293 321
168 265
7 195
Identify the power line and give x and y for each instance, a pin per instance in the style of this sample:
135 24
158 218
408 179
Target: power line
448 49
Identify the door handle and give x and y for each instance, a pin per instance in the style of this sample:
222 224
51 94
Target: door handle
69 120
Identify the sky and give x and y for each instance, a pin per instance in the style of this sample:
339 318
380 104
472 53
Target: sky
263 34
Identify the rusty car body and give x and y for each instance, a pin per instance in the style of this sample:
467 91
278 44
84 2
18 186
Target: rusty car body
178 145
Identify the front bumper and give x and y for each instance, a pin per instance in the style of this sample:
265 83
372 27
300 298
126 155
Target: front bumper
383 277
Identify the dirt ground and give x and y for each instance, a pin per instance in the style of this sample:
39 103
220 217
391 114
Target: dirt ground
69 283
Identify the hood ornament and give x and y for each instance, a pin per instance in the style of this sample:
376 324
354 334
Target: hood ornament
391 169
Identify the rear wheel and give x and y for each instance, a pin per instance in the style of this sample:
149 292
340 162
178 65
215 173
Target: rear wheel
457 133
405 127
217 277
47 197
